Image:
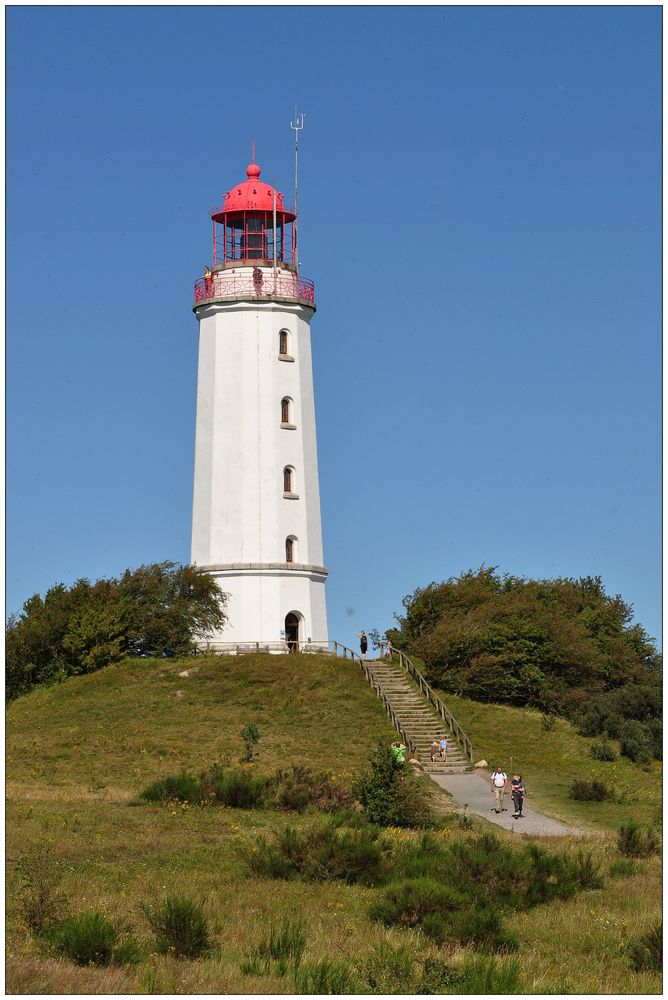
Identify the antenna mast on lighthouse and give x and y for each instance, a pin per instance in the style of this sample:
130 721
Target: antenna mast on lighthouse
297 125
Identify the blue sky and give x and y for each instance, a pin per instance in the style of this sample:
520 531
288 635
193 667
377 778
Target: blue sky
480 211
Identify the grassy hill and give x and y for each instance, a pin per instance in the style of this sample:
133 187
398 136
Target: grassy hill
79 753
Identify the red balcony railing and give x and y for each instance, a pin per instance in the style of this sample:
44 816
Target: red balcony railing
223 285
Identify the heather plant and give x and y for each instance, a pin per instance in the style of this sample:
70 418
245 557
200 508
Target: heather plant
180 927
174 788
323 977
389 969
298 787
603 749
589 791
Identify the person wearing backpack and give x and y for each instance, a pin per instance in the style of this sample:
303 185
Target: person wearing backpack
498 783
518 794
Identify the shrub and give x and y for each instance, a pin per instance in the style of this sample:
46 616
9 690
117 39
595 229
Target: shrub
325 977
587 872
634 842
646 952
390 795
250 734
183 787
40 901
299 787
325 852
180 927
389 970
603 750
88 939
547 722
437 977
589 791
637 742
285 942
239 790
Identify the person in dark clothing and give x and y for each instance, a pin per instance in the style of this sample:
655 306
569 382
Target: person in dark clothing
518 793
364 643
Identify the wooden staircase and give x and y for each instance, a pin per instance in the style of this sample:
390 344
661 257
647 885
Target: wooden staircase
419 718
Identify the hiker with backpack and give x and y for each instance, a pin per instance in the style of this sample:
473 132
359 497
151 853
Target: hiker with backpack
498 783
518 794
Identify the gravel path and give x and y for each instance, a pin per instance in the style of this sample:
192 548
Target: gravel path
472 790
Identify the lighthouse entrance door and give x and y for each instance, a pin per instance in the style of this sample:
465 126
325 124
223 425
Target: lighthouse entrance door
292 632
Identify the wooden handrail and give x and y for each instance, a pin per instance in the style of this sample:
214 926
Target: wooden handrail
431 696
376 687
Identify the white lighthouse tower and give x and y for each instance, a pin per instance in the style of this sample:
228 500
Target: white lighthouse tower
256 505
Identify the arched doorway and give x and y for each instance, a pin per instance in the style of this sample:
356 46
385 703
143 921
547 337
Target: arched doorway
292 632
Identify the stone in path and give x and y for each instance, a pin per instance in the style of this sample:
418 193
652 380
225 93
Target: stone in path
472 790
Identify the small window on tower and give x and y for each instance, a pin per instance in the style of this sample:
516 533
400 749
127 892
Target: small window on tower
285 411
288 479
283 342
289 550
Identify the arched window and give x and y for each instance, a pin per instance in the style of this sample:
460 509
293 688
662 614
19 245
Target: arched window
288 479
283 342
290 549
285 410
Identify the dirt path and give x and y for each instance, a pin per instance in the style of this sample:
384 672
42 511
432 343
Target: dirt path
472 790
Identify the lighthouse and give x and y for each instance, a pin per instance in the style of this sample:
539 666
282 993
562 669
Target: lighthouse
256 501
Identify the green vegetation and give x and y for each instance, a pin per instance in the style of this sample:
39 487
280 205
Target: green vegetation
91 939
390 795
590 791
250 734
646 952
634 842
180 927
79 754
155 610
562 646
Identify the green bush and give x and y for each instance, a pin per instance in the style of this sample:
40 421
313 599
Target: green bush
636 842
182 787
250 735
284 942
326 852
390 795
437 977
587 872
325 977
240 790
180 927
88 939
589 791
637 742
603 750
646 952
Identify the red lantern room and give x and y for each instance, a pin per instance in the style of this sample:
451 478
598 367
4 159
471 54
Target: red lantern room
253 229
244 227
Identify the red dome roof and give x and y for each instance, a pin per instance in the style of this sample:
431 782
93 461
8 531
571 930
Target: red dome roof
252 195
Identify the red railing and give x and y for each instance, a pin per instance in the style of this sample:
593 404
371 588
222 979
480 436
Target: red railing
235 286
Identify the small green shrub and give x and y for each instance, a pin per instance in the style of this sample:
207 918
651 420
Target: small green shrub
437 977
389 969
587 872
183 787
40 900
284 942
603 750
635 842
547 722
390 795
250 735
589 791
646 952
326 852
87 939
240 790
325 977
623 868
180 927
298 787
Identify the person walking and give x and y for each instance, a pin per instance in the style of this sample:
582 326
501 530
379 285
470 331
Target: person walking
434 750
398 751
498 783
443 746
518 793
364 643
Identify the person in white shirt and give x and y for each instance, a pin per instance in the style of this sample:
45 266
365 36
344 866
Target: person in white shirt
498 783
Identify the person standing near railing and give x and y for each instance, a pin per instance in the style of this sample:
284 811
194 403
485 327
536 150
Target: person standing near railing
364 643
208 280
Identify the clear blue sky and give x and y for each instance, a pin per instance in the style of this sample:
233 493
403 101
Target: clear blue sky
480 211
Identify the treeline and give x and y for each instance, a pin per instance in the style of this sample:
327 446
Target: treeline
562 646
156 610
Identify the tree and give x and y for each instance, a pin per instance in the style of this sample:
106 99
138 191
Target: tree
156 610
557 645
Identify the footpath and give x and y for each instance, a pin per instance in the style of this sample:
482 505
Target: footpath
472 790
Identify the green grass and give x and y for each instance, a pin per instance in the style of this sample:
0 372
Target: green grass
79 753
550 762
